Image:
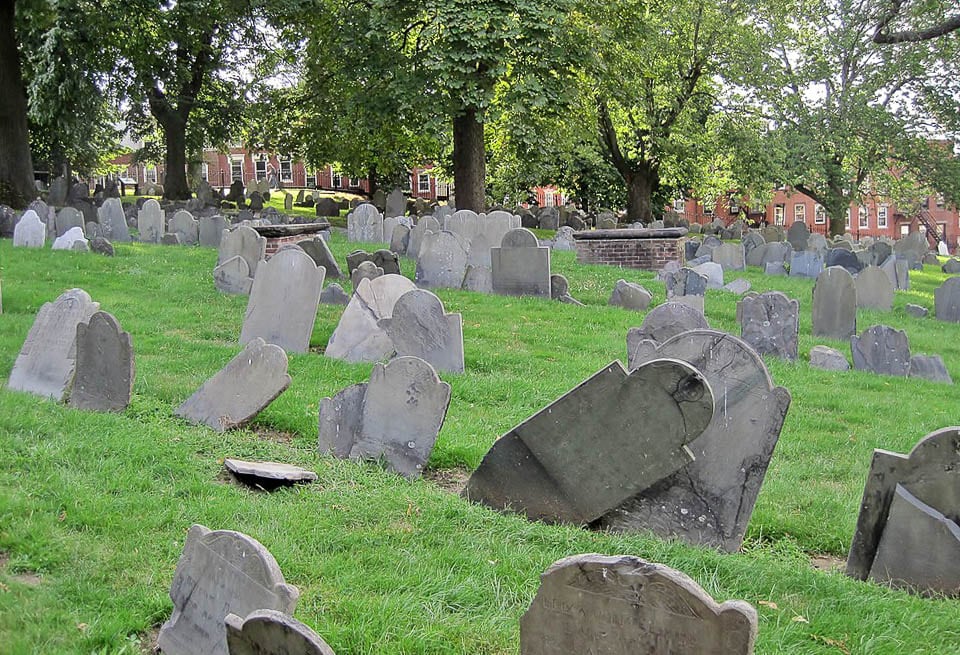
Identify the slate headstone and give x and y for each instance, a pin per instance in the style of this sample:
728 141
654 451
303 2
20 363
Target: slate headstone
520 266
630 296
828 359
400 239
365 224
881 349
150 222
442 261
419 327
267 475
67 219
186 226
916 311
320 253
770 323
358 336
269 632
113 221
798 235
103 380
834 304
333 294
946 300
396 204
211 230
874 289
730 256
424 225
233 276
367 270
245 242
30 231
664 322
929 367
807 263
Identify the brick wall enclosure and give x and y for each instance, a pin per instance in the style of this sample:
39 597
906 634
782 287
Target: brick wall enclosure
644 254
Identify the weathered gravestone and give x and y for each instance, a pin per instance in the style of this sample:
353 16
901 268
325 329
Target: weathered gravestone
287 202
104 374
184 224
150 222
898 272
320 253
283 301
219 573
237 393
233 276
912 248
665 322
365 223
420 328
424 225
358 336
602 442
730 256
211 230
244 242
951 267
520 266
624 605
57 195
113 221
442 261
834 304
874 289
709 502
929 367
327 207
45 365
334 294
395 417
269 632
400 239
256 201
713 272
70 240
396 204
67 219
946 300
770 323
798 235
907 532
30 231
685 282
881 349
773 233
807 263
630 296
777 253
102 246
828 359
382 258
367 270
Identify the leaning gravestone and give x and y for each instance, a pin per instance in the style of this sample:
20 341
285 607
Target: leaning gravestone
420 328
184 224
685 282
219 573
399 239
365 223
442 261
113 221
520 266
946 300
630 296
245 242
104 372
881 349
45 365
237 393
874 289
150 222
624 605
358 336
320 253
929 367
602 442
396 416
67 219
283 301
770 323
665 322
211 230
710 501
233 276
834 304
907 532
30 231
269 632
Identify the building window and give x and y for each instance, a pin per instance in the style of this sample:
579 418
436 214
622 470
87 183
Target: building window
778 218
882 212
707 211
819 215
849 216
311 180
800 212
205 172
423 183
864 217
236 169
679 205
548 198
941 201
260 167
353 183
152 174
286 170
336 181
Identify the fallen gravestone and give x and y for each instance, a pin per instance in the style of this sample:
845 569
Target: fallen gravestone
30 231
828 359
620 605
874 289
834 304
267 475
241 389
665 322
630 296
269 632
739 286
219 573
881 349
560 290
171 239
103 380
951 267
420 328
929 367
521 267
770 323
358 336
946 300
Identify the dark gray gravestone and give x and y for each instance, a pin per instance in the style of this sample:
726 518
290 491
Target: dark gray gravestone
256 201
951 267
776 253
929 367
931 474
104 373
171 239
874 289
219 573
283 301
898 272
67 218
243 241
709 502
211 230
624 605
664 322
686 282
946 300
102 246
400 239
770 323
237 393
520 266
843 258
367 270
442 261
807 263
828 359
334 294
912 248
881 349
798 235
879 252
327 207
320 253
751 241
610 437
630 296
420 328
113 220
834 304
269 632
396 204
358 336
45 365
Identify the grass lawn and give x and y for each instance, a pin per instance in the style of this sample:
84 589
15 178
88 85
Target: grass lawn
94 508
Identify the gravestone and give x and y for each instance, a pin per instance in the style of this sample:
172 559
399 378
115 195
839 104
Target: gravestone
379 199
171 239
442 261
287 202
916 311
630 296
30 231
358 336
898 272
879 252
102 246
256 201
283 301
929 367
773 234
834 304
881 349
751 241
233 276
104 370
521 267
184 224
951 267
564 239
420 328
739 286
327 207
946 300
150 222
560 290
911 248
713 272
730 256
367 270
400 239
610 437
245 242
113 221
396 204
220 572
240 390
269 632
57 195
67 219
624 605
365 223
211 230
770 323
685 282
548 218
320 253
798 235
922 549
665 322
874 289
267 475
334 294
807 263
828 359
709 502
706 247
395 417
69 240
843 258
424 225
45 365
776 253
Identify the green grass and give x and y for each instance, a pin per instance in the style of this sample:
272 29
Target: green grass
94 507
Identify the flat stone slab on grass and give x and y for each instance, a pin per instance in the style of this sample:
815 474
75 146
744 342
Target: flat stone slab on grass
624 605
269 632
267 475
241 389
104 372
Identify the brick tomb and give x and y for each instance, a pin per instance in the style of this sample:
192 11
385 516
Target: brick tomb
645 249
281 235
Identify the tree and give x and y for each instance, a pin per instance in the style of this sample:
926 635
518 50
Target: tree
914 21
16 165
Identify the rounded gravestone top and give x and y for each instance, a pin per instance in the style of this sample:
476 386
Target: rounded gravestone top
519 237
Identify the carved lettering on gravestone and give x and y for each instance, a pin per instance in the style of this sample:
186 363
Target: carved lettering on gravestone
624 605
30 231
521 267
237 393
358 336
269 632
104 371
442 261
610 437
881 349
770 323
45 365
419 327
834 304
219 573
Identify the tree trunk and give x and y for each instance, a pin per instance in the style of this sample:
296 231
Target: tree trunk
469 162
175 185
16 168
640 187
372 180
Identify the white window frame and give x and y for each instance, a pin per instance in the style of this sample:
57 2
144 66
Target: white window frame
548 200
707 211
336 180
257 165
310 181
423 183
205 172
236 163
849 218
863 217
779 215
151 174
800 212
679 205
819 215
883 212
286 175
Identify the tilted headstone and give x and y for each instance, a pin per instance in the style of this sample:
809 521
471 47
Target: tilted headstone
881 349
245 242
665 322
45 365
400 239
770 323
241 389
596 446
730 256
151 223
113 221
420 328
30 231
739 286
267 475
358 336
365 223
67 219
442 261
713 272
521 267
211 230
233 276
319 251
630 296
283 301
102 246
922 549
807 263
564 239
798 235
69 240
184 224
929 367
220 572
269 632
946 300
396 416
710 501
396 204
834 304
624 605
103 380
874 289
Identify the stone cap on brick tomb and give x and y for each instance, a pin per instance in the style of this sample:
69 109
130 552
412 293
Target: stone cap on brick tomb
292 229
634 233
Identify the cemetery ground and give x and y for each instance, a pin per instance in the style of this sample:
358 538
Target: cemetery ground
94 507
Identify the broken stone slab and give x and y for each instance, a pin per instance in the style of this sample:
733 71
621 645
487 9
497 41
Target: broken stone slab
929 367
269 632
419 327
828 359
881 349
608 438
267 475
560 290
358 336
630 296
104 371
664 322
241 389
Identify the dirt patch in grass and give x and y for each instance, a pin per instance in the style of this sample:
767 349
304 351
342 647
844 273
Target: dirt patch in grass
272 434
828 563
28 578
452 480
148 641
